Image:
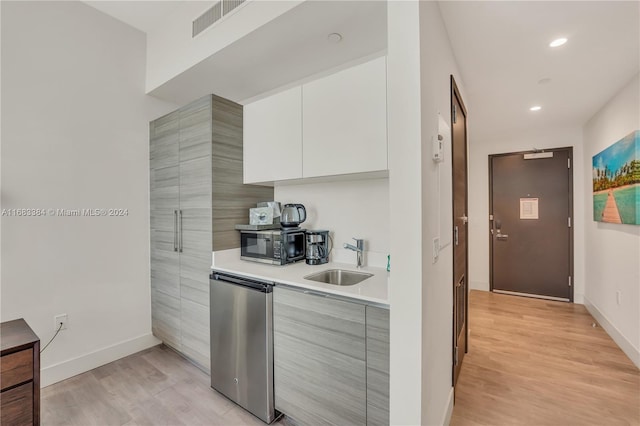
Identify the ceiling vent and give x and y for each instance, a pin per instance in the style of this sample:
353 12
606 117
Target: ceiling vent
213 15
229 5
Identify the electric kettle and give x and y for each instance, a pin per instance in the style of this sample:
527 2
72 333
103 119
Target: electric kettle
292 215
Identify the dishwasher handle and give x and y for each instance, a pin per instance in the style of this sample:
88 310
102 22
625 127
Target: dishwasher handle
261 286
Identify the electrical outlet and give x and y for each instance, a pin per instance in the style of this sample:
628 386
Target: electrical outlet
436 249
618 297
62 318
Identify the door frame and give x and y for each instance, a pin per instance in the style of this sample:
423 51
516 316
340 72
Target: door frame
455 94
569 150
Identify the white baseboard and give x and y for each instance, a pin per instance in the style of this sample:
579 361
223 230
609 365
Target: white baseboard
449 412
578 298
632 352
72 367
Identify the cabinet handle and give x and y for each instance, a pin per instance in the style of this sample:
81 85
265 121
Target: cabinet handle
175 230
180 230
314 293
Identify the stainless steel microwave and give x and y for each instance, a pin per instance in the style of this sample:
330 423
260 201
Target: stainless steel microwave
273 246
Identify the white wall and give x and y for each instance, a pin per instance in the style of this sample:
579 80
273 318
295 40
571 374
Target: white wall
75 135
172 49
353 208
0 161
613 251
436 65
405 193
479 151
419 62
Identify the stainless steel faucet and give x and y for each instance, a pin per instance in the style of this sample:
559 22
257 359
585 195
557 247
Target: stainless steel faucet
358 248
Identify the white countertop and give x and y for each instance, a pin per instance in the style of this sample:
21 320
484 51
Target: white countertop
374 289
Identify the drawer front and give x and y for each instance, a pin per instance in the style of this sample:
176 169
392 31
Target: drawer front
16 406
335 324
16 368
319 359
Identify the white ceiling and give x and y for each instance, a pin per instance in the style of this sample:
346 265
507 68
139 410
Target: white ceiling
502 49
290 48
145 15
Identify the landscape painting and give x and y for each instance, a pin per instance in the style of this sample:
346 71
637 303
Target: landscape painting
616 182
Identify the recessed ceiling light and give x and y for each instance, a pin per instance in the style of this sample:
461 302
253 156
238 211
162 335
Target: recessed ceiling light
335 37
535 108
558 42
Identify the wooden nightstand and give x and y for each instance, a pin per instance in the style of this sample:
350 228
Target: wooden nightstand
19 374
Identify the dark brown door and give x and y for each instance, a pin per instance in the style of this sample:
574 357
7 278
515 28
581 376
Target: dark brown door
460 251
530 223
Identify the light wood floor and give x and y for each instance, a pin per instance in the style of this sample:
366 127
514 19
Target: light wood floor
531 362
536 362
152 387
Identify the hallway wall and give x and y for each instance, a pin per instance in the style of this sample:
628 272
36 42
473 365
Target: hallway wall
437 64
612 251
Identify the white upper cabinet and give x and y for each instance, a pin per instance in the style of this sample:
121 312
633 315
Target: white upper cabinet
273 138
336 125
344 121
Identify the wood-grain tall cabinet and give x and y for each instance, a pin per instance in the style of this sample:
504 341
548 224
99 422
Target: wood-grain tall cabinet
196 198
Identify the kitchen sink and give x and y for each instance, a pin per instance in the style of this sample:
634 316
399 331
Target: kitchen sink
338 277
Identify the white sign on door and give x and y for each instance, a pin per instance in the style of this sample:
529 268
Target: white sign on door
528 208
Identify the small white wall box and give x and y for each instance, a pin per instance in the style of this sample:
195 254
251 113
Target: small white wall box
438 148
441 140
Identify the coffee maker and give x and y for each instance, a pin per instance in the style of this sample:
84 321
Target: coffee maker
317 251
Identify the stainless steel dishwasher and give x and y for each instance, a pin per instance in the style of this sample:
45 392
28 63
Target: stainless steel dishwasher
242 342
